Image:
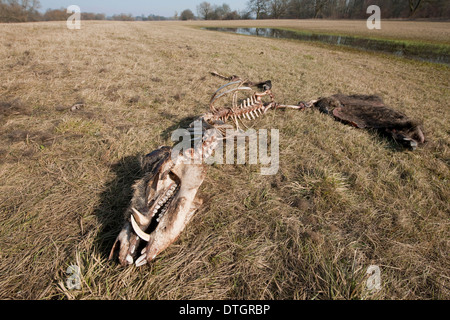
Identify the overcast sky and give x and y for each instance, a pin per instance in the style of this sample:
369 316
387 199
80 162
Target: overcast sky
165 8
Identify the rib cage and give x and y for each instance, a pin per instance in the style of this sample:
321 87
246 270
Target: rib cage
224 118
248 108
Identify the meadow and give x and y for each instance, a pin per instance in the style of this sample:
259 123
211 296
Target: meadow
79 108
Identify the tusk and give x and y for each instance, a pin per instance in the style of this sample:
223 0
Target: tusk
141 219
144 236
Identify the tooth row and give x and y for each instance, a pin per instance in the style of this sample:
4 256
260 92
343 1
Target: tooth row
163 210
167 197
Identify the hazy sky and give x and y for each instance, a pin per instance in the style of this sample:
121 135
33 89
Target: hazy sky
165 8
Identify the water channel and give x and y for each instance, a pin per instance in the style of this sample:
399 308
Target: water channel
425 52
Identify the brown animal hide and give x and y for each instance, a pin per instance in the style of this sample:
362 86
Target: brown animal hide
369 111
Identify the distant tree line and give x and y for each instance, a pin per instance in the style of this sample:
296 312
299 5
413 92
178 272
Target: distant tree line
27 10
19 10
329 9
347 9
61 15
207 11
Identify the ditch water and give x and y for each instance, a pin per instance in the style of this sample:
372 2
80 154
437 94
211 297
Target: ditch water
425 52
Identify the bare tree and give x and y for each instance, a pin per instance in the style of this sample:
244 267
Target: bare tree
259 7
123 17
187 15
278 8
222 11
295 9
233 15
26 5
318 6
205 10
19 10
244 14
413 6
55 15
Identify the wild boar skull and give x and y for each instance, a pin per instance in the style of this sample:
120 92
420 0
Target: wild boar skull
163 202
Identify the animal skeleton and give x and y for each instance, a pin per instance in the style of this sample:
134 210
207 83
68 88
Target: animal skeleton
165 199
251 106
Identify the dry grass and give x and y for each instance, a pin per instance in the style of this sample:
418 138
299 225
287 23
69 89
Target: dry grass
343 198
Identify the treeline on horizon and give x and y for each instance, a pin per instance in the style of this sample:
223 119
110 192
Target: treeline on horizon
27 11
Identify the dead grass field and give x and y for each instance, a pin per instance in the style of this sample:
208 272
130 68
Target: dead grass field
343 199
